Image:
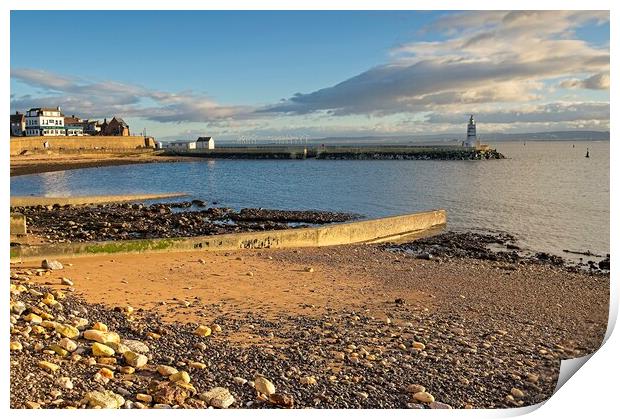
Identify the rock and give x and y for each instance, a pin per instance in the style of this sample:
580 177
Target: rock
309 269
415 388
197 365
66 281
203 331
166 370
67 331
425 256
424 397
516 393
218 397
48 366
264 386
311 380
134 359
418 345
144 397
168 393
284 400
201 346
51 264
180 376
106 372
60 351
99 349
33 318
217 328
101 337
32 405
136 346
104 399
100 326
119 347
65 382
240 380
127 370
439 405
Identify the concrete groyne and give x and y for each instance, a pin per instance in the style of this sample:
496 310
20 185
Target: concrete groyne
31 201
367 231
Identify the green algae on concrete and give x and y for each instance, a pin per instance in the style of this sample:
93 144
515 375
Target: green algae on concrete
131 246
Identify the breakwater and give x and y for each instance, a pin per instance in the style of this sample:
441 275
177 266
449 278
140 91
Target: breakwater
345 153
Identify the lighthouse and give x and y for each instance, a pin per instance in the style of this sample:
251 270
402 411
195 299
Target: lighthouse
471 133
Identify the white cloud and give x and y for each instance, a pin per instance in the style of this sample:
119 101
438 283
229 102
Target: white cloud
492 57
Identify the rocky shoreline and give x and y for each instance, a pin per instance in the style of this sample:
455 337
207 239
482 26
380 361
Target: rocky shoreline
497 247
79 223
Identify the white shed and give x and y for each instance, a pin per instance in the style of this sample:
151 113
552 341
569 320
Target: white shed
205 143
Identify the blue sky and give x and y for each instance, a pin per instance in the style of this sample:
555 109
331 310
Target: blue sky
270 74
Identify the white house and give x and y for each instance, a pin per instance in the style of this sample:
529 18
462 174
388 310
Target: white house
205 143
45 122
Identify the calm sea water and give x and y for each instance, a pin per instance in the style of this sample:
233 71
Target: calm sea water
546 193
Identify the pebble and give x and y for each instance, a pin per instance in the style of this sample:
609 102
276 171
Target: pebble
166 370
240 380
197 365
51 264
264 386
134 359
66 281
16 346
144 397
218 397
180 376
415 388
424 397
51 367
516 392
104 399
99 349
67 344
65 382
203 331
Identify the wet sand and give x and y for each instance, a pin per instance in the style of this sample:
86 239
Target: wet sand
41 163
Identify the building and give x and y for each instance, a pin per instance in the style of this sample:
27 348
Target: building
18 125
74 126
116 127
45 122
91 127
181 145
471 133
205 143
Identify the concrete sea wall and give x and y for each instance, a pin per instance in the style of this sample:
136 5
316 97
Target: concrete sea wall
367 231
20 144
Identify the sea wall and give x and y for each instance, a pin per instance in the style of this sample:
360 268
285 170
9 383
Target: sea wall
367 231
20 144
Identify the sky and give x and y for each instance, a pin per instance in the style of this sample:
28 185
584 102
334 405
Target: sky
270 75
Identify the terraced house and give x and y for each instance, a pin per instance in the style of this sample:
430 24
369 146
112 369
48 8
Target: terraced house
45 122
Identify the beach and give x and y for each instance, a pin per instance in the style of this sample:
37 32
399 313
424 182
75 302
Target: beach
346 326
54 161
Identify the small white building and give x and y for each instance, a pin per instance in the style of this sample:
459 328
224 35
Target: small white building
205 143
181 145
45 122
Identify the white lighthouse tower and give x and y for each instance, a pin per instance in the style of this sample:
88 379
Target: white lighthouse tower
471 133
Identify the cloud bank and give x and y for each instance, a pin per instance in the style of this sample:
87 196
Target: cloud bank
523 68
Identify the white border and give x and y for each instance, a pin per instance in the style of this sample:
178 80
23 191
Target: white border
592 392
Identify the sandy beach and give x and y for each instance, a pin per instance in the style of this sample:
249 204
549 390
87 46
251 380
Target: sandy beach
53 162
366 324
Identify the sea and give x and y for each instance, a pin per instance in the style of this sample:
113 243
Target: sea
545 193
